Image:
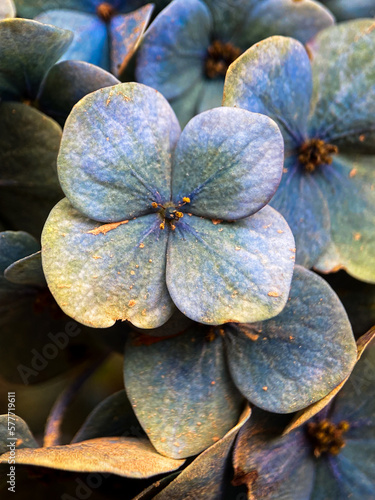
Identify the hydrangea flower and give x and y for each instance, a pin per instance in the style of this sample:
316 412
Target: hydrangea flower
105 33
326 111
347 9
188 48
154 218
331 455
194 393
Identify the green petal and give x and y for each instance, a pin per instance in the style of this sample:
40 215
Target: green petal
15 245
27 271
242 269
342 109
29 187
102 274
186 400
69 81
296 358
349 188
115 155
28 50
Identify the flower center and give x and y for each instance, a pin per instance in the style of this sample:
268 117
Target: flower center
219 57
327 437
169 213
315 152
105 11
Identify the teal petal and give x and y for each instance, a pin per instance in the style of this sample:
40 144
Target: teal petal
274 78
186 400
228 162
29 187
15 245
347 9
28 50
110 141
126 32
242 269
69 81
348 186
90 42
344 82
286 363
109 272
247 22
173 51
303 204
27 271
211 95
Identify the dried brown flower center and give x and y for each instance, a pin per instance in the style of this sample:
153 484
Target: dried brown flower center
327 437
219 57
105 11
169 213
315 152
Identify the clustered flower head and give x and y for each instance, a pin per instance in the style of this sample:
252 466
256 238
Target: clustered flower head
189 251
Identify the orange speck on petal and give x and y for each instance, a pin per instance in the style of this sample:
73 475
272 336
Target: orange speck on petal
273 294
131 303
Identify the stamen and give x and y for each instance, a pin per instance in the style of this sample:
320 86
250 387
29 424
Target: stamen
327 437
105 11
315 152
219 57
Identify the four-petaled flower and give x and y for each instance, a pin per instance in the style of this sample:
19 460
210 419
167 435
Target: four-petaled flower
185 217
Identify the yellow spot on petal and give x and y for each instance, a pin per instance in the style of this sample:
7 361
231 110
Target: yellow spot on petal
357 236
132 272
213 382
141 245
154 204
353 172
96 257
162 225
186 199
217 221
107 227
238 248
64 286
144 312
265 388
285 170
280 231
362 137
273 294
131 303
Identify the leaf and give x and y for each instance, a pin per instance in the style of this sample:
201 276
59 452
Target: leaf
207 476
286 363
29 142
124 456
231 173
110 140
315 408
181 391
109 272
28 51
242 269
